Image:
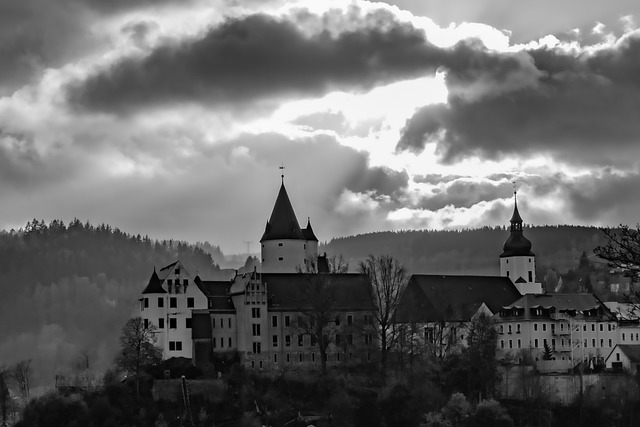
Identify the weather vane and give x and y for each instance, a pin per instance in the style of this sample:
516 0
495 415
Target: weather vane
282 169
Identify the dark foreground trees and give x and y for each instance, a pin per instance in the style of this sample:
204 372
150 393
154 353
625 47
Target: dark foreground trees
138 349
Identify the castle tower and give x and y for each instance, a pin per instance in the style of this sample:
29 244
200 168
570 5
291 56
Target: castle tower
285 246
517 261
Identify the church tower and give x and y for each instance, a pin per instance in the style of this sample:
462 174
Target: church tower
517 262
285 246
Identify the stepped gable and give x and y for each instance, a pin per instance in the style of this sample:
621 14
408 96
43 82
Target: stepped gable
155 285
516 244
282 224
432 298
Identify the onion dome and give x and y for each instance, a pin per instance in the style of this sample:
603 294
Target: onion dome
283 224
516 244
155 285
308 232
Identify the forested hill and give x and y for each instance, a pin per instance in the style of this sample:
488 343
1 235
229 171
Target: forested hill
68 289
474 251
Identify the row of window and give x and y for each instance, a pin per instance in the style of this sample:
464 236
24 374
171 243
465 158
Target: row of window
175 345
630 336
255 314
174 287
610 327
221 322
275 341
173 323
215 341
173 302
536 343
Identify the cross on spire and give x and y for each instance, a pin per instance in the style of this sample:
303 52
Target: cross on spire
282 169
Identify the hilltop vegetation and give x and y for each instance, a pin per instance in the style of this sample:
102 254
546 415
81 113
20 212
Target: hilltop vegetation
473 251
68 289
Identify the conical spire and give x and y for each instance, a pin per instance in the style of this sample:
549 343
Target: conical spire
308 232
283 223
155 285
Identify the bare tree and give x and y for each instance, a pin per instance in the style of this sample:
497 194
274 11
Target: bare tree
388 279
318 304
5 398
138 348
21 374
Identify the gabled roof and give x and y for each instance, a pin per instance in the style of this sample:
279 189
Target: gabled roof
283 223
568 303
631 351
431 298
286 290
217 292
155 285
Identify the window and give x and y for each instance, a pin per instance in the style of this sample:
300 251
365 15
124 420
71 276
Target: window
178 271
501 343
146 303
593 342
287 321
173 302
544 327
214 342
229 340
623 336
368 338
256 348
221 342
601 342
300 340
535 343
337 357
279 244
255 313
160 302
300 357
618 357
584 327
172 346
508 273
509 328
553 344
610 343
288 358
593 327
275 341
350 339
173 323
500 330
601 327
287 340
609 327
510 343
280 259
530 276
229 322
368 319
337 320
313 357
517 328
338 339
188 322
519 343
535 327
256 329
190 301
274 321
161 323
349 320
146 323
275 358
586 344
221 322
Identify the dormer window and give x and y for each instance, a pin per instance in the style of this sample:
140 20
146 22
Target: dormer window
178 271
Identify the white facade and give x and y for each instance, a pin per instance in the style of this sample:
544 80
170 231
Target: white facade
522 272
170 311
284 256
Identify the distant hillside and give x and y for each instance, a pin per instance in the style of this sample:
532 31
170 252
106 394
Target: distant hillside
469 251
69 289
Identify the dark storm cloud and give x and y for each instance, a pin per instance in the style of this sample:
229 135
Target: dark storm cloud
463 193
255 57
36 34
583 108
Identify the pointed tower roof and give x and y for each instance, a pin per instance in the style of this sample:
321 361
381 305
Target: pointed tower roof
155 285
516 244
308 232
283 223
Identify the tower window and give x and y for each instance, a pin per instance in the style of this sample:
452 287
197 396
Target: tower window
507 274
279 244
280 259
507 261
530 276
160 302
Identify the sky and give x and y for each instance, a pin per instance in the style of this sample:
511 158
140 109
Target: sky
171 118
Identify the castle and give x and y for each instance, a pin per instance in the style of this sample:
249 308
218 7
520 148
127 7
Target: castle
267 316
